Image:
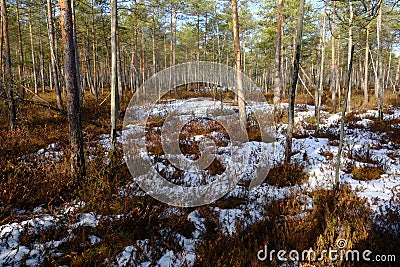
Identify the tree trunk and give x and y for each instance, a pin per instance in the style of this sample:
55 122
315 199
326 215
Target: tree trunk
379 60
346 99
366 65
153 38
350 45
41 56
114 77
21 50
236 43
8 81
32 51
278 59
333 59
73 94
295 74
321 74
53 56
94 51
397 80
77 61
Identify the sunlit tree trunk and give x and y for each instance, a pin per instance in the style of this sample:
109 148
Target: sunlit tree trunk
35 82
41 57
114 76
236 42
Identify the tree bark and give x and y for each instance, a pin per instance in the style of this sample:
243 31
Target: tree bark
321 74
278 59
333 59
41 57
236 43
53 56
366 65
295 74
21 50
379 60
73 94
114 77
8 78
32 51
341 137
350 45
77 61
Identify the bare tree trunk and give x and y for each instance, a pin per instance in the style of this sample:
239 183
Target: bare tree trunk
295 75
8 81
350 45
333 59
53 56
41 56
94 50
346 99
114 77
366 65
321 74
21 50
77 61
278 59
379 60
217 31
236 42
397 81
32 51
71 86
153 38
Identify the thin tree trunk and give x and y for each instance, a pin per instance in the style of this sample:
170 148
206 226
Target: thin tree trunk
41 56
21 50
8 81
71 86
32 52
366 65
350 45
53 56
333 59
278 59
341 137
295 74
94 51
114 77
236 42
321 73
153 38
379 60
397 81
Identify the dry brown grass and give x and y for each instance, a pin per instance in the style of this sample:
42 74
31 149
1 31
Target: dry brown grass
366 173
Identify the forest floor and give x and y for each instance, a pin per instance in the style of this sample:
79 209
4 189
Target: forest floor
45 219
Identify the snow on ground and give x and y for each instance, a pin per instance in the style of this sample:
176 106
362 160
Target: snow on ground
316 155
